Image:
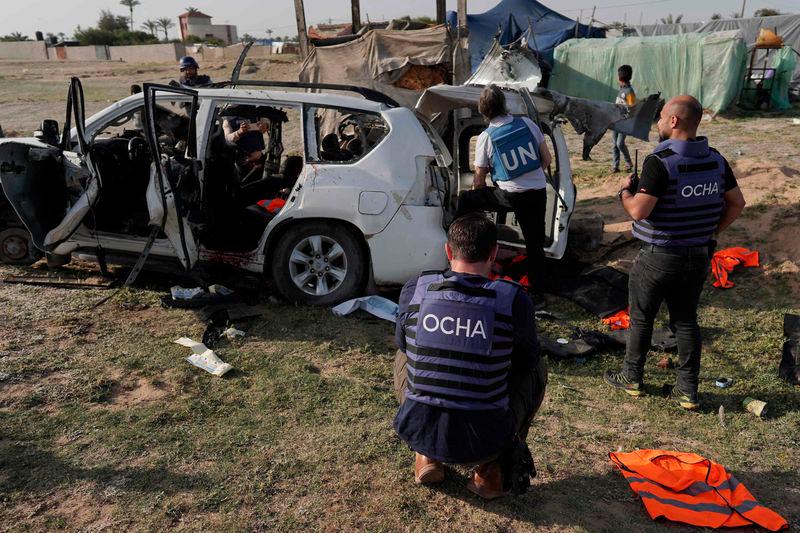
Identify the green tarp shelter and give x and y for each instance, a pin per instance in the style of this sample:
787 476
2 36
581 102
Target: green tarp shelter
709 66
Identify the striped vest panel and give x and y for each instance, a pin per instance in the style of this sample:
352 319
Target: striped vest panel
688 212
459 339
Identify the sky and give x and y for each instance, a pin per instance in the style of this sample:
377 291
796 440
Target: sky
256 16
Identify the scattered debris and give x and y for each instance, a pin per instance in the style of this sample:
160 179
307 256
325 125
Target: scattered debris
4 376
66 283
724 383
757 407
233 333
374 305
222 290
182 293
619 320
204 358
562 340
721 415
666 363
601 290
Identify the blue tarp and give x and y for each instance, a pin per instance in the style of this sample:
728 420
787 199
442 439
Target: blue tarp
511 18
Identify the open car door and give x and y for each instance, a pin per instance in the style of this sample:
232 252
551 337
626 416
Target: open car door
173 189
52 187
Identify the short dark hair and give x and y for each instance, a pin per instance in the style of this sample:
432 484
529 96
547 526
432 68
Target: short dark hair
492 102
690 110
625 73
472 237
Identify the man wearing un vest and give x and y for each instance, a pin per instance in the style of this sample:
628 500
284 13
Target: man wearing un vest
513 150
687 194
468 373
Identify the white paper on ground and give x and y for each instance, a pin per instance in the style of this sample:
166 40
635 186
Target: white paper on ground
204 358
374 305
183 293
221 290
232 333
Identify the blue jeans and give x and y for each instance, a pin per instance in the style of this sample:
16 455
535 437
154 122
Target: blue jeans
676 278
619 146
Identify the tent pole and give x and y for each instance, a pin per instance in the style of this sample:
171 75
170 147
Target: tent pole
302 36
591 21
355 8
441 11
741 15
578 23
462 17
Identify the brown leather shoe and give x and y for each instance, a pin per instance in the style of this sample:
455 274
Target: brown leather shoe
427 470
487 481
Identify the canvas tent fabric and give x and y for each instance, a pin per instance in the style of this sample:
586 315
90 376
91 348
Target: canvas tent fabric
708 66
654 30
787 26
378 59
512 18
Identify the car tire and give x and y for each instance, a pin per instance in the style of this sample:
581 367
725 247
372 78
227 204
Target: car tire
319 264
16 247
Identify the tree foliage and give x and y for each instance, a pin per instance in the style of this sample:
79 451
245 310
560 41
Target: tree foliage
130 4
716 16
112 30
767 12
670 20
14 36
165 23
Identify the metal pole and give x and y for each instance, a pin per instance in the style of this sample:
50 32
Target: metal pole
591 22
462 17
578 23
355 8
302 36
441 11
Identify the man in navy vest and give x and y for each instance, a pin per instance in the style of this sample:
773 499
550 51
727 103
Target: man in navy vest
468 373
687 194
513 150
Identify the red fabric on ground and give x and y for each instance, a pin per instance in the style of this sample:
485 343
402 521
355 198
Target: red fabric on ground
273 205
724 261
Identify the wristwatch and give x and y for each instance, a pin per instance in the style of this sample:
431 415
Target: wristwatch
619 193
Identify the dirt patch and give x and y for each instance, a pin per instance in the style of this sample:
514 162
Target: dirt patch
136 393
33 390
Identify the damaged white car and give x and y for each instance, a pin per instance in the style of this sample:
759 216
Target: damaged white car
369 187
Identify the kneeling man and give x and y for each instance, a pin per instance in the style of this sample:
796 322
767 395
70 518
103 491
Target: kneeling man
468 373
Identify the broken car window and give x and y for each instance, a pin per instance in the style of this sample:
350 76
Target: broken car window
336 135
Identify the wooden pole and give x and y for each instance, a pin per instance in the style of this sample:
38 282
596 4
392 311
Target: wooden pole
462 17
441 11
302 36
741 15
591 23
578 23
355 8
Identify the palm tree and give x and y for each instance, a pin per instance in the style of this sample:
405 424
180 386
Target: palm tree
192 10
670 20
165 23
716 16
17 36
151 26
130 4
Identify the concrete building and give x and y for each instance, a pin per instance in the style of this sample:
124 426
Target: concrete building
199 25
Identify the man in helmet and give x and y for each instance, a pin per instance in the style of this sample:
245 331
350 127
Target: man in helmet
189 76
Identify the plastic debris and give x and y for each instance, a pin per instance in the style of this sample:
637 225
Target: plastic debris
184 293
222 290
374 305
204 358
757 407
796 121
562 340
721 415
233 333
724 383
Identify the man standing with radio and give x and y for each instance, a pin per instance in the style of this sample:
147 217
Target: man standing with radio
687 194
513 151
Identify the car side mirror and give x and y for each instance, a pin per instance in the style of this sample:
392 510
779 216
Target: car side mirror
48 132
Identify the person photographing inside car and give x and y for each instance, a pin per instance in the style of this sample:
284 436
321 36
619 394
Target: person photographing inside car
687 194
468 373
513 151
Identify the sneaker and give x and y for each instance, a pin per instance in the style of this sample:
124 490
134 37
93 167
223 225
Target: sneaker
687 401
427 470
619 381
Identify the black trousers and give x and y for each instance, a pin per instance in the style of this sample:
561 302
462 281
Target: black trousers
676 278
529 208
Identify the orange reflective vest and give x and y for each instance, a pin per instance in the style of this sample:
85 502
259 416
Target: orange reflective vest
273 206
688 488
619 320
726 260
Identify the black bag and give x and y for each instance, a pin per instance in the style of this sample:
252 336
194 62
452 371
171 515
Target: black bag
789 368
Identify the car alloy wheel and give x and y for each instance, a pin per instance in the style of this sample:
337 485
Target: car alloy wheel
318 265
16 247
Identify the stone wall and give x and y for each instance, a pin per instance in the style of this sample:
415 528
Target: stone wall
23 50
148 53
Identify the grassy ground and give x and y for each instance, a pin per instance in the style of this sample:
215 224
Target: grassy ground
104 425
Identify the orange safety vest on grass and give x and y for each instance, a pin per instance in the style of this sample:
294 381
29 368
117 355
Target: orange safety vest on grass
619 320
274 205
688 488
724 261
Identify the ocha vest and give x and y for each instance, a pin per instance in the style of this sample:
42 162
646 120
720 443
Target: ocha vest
688 212
459 339
515 150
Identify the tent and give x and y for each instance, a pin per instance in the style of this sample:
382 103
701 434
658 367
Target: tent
709 66
511 18
399 63
787 26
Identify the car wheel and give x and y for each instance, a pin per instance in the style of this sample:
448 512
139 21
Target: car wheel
319 264
16 247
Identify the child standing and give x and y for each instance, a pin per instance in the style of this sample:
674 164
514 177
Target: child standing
626 96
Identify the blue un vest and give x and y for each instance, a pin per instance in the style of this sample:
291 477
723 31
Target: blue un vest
688 212
459 339
515 150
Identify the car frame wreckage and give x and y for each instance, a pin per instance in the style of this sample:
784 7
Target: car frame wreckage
367 202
